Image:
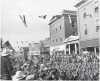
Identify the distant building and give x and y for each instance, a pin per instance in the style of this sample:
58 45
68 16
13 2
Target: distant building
61 27
34 48
7 45
20 44
23 48
45 46
25 52
89 24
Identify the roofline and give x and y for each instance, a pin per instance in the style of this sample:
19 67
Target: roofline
64 12
55 19
80 3
62 16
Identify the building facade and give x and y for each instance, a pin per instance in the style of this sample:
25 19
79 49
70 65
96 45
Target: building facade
34 48
61 27
88 18
45 46
20 44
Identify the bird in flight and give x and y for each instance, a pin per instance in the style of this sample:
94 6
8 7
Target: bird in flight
43 16
23 18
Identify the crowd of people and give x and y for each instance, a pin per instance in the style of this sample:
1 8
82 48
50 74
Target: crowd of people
59 67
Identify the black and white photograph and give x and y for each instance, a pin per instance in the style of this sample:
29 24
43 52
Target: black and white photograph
49 40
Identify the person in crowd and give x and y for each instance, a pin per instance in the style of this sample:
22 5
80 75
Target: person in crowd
63 75
6 66
19 75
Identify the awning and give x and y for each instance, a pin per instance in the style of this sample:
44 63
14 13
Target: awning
89 43
71 38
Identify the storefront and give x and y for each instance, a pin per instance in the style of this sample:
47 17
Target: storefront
72 45
90 46
58 48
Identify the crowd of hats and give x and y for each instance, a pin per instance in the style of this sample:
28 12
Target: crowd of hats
63 67
78 66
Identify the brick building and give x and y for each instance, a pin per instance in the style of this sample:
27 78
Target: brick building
61 27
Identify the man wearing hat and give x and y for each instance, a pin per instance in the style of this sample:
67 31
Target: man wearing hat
6 66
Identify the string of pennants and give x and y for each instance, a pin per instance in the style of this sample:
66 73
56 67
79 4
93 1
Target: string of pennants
23 19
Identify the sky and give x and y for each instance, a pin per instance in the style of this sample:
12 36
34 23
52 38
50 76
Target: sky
13 29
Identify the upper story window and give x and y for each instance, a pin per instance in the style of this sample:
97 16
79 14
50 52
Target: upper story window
61 39
97 25
97 28
73 23
86 31
56 40
53 41
84 15
60 27
97 11
56 29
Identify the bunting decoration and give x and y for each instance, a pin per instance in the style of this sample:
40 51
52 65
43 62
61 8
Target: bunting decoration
23 18
43 16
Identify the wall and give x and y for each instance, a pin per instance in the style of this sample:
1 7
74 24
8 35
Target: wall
90 21
69 29
57 34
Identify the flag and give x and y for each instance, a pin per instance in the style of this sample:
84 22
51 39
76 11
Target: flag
69 17
43 16
23 19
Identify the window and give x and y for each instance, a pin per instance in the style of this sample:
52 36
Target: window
60 27
56 29
97 25
73 23
84 15
53 41
96 9
61 39
97 28
56 40
85 32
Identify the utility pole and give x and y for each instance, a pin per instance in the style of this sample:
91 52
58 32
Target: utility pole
1 43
